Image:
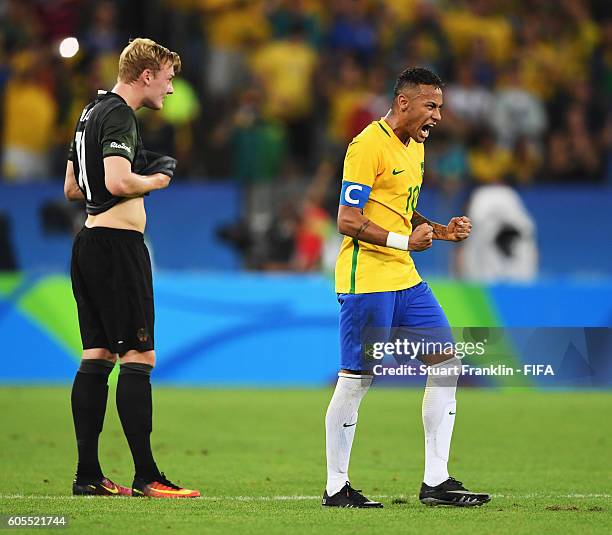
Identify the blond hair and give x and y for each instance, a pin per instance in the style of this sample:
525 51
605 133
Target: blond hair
141 54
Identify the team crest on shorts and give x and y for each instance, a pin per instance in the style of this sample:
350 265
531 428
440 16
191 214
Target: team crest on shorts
142 335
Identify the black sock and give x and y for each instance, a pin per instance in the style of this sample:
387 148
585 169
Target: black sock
89 394
135 407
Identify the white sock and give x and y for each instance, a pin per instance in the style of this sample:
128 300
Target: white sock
439 408
342 410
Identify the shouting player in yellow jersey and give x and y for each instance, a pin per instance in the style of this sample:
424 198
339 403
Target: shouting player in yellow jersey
379 289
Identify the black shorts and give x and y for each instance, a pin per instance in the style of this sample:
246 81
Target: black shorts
113 288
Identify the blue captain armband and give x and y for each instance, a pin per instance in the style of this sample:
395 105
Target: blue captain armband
354 194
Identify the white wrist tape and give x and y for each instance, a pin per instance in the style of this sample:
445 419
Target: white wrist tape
397 241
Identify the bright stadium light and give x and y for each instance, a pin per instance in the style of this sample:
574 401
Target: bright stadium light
69 47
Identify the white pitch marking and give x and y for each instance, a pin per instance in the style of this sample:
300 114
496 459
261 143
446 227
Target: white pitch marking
302 498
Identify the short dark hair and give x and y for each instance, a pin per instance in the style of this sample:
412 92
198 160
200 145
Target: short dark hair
416 76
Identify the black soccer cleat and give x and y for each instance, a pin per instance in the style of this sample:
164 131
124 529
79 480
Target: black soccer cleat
99 487
347 496
451 492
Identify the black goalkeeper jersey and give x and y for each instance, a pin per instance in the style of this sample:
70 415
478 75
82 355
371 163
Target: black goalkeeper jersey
107 127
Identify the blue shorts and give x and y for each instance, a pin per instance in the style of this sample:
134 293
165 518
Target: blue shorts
380 317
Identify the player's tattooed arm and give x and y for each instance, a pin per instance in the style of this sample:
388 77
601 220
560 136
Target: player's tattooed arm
458 228
439 231
352 223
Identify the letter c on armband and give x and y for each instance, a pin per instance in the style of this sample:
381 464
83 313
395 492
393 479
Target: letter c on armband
354 194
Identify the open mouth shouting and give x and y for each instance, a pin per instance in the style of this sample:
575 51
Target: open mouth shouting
424 131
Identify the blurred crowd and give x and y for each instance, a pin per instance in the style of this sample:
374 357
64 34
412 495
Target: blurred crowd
273 90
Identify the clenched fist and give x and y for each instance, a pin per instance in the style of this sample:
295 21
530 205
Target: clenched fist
421 238
458 228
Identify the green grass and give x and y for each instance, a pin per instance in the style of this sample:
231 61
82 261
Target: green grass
9 281
536 452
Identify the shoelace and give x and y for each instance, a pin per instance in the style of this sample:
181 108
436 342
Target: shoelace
458 483
166 483
350 490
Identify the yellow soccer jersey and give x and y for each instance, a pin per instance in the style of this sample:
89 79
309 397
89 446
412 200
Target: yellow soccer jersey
378 163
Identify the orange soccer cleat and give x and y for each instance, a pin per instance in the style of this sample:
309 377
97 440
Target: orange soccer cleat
161 488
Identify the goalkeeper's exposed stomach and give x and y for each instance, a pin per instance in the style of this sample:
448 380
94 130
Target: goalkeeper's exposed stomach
128 214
